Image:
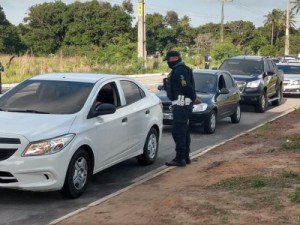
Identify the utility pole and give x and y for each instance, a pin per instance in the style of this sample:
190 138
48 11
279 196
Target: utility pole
141 31
287 29
222 18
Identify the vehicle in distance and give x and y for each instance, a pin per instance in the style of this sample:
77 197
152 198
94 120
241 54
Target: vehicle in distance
220 98
258 78
59 129
291 84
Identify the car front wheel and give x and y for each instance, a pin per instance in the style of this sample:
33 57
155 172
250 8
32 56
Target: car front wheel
78 174
262 104
279 96
150 148
210 123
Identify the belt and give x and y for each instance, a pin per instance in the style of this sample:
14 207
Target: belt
181 101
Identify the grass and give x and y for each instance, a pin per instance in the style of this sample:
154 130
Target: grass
291 144
18 68
286 180
252 182
295 195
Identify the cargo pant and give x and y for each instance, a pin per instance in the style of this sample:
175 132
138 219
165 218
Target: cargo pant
181 131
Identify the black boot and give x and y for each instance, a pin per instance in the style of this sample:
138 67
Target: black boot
188 160
176 162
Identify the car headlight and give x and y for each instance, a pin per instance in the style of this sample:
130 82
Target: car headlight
200 107
47 147
253 84
296 82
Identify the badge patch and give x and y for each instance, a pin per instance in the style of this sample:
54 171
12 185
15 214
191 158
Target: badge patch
183 81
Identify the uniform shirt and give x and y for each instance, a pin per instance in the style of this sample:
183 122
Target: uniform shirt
181 82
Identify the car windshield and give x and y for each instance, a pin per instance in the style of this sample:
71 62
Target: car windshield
242 67
205 83
289 69
46 97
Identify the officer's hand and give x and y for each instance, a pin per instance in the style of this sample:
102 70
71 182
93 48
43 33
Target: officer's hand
198 100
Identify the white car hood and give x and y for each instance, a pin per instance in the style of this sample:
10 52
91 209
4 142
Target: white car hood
35 127
292 76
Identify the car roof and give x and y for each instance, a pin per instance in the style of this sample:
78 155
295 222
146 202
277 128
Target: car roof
207 71
288 64
77 77
247 57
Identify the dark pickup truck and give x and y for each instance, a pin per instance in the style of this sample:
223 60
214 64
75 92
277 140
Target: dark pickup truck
259 80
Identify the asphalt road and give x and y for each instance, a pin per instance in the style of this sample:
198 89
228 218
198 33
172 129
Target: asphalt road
32 208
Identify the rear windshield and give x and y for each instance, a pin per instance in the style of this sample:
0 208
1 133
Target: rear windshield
242 67
46 96
289 69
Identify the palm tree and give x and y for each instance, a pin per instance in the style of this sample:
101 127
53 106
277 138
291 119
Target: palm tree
292 22
277 21
296 6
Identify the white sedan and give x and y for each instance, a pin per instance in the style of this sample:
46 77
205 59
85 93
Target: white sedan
59 129
291 84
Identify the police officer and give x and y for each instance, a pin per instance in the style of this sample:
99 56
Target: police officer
182 96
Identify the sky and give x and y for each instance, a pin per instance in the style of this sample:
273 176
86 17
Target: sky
199 11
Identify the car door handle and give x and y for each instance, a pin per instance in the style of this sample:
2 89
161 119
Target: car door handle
147 112
124 120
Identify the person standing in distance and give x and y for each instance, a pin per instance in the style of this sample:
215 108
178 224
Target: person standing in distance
207 61
180 89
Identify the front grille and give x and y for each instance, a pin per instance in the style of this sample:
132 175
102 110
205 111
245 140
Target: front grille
166 107
8 146
5 153
10 141
6 177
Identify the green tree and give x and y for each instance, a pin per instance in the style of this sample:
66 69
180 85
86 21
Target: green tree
171 18
127 6
94 23
184 33
275 19
258 41
44 27
268 50
240 32
10 41
296 5
156 32
223 50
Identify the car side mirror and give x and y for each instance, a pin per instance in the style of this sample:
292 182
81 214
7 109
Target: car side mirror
101 109
223 91
270 73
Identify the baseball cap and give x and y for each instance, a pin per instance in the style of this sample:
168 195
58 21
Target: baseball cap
171 54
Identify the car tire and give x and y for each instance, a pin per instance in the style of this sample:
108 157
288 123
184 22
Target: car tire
279 95
78 174
210 123
236 116
150 148
262 103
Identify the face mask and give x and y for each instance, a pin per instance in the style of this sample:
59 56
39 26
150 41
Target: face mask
172 64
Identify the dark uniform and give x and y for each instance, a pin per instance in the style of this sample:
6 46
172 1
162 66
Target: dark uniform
206 61
183 96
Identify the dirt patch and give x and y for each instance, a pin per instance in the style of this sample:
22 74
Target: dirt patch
254 179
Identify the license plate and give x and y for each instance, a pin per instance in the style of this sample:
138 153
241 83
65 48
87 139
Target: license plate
168 116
